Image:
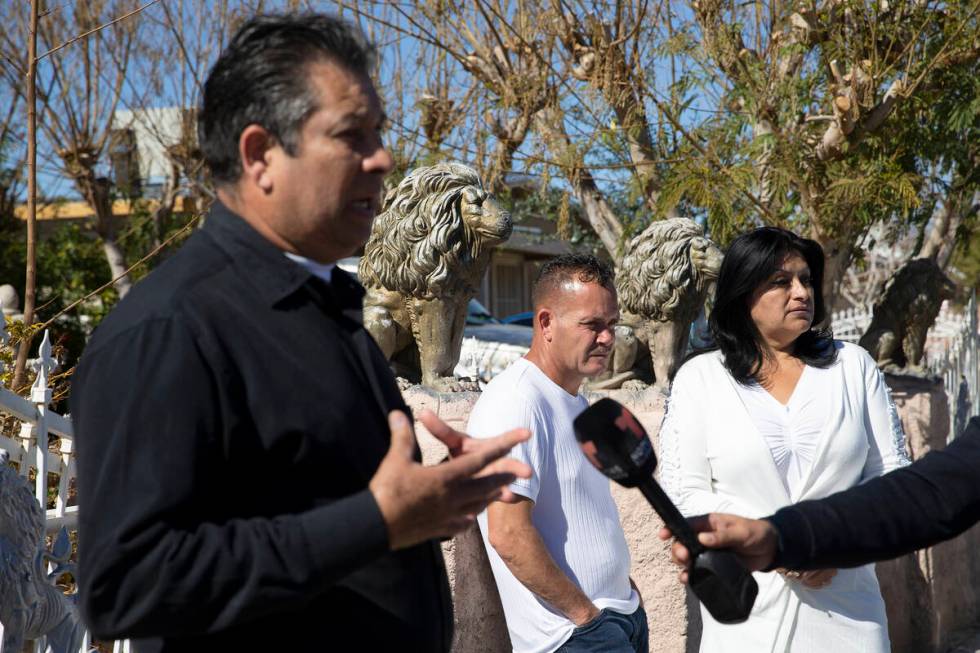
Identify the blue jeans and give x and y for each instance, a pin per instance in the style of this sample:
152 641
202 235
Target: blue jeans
611 632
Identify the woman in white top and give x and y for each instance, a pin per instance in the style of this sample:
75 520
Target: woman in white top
779 412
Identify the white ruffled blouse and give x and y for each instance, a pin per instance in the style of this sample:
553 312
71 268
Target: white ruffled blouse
793 430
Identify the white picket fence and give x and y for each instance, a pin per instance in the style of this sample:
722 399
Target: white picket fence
850 324
29 450
951 354
954 357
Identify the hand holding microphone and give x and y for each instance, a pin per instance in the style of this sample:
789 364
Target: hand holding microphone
617 445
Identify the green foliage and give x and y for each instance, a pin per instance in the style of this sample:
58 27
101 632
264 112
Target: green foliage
966 261
12 244
141 233
769 126
711 191
70 265
864 191
550 203
8 353
7 357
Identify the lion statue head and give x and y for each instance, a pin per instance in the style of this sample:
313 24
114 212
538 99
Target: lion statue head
666 270
434 226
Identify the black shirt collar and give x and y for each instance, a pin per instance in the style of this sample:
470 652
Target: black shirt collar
273 275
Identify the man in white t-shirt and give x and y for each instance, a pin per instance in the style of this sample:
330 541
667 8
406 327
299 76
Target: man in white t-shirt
559 556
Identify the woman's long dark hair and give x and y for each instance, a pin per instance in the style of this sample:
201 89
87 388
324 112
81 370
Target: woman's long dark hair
749 262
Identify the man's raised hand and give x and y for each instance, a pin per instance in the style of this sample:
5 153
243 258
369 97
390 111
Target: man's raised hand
421 503
460 444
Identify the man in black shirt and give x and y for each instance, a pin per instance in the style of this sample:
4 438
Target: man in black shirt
933 499
248 477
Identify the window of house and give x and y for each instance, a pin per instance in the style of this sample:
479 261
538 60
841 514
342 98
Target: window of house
508 287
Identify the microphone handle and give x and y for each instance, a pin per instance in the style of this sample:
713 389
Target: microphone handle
672 517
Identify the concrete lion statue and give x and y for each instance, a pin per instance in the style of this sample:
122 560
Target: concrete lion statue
31 607
662 285
422 265
911 301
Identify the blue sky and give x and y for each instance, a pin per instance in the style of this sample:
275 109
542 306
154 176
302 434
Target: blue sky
398 51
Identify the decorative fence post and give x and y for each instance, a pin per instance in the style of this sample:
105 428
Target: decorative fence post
41 398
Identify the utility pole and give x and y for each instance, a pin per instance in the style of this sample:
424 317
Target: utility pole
30 286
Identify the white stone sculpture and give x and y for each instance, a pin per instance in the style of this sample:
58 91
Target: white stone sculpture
9 300
423 263
31 606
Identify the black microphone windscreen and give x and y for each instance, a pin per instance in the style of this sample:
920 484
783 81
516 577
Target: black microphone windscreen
615 442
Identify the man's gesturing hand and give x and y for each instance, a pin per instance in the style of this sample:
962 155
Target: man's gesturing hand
460 444
420 503
754 541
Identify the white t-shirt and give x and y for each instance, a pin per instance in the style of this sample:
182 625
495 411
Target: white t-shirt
573 507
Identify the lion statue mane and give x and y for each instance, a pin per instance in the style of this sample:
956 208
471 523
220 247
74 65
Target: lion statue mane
423 263
662 284
31 607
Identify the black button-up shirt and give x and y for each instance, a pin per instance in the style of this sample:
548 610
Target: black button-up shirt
932 500
229 415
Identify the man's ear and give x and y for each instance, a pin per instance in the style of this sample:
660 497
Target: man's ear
255 146
546 321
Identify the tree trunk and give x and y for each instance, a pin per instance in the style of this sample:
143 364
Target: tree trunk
940 240
598 212
965 212
509 137
763 166
117 265
97 192
837 250
165 209
600 59
600 215
941 223
837 256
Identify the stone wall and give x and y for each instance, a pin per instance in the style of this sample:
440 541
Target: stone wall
934 592
928 595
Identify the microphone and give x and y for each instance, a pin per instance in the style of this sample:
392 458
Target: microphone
617 445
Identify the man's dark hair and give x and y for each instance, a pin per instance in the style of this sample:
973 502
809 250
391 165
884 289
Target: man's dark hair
584 268
749 262
262 78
